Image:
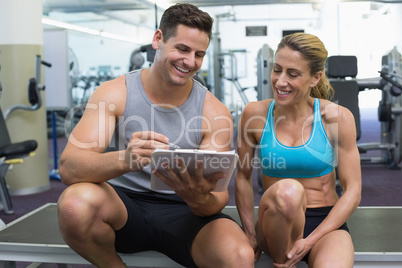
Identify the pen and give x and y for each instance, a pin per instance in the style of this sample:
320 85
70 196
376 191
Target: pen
173 145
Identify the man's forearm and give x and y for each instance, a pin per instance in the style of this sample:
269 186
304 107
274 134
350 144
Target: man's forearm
87 166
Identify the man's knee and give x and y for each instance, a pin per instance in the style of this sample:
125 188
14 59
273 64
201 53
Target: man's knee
234 255
239 252
243 256
223 244
77 203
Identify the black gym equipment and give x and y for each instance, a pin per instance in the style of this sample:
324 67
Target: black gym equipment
10 153
34 88
389 109
14 152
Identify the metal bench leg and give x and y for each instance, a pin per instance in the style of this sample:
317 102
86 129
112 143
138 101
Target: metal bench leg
8 264
5 199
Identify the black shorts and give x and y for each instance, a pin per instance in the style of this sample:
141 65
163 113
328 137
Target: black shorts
314 217
160 222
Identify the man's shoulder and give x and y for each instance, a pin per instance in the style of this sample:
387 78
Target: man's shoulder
111 87
112 92
213 105
257 108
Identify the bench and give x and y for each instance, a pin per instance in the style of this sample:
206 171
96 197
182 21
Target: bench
35 238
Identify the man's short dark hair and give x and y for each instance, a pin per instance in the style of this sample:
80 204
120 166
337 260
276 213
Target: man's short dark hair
185 14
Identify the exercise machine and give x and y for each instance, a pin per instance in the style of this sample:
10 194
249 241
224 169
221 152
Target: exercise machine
10 154
231 73
389 110
265 58
223 68
13 153
341 72
34 88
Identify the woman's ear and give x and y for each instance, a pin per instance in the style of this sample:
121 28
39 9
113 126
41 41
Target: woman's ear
158 37
316 79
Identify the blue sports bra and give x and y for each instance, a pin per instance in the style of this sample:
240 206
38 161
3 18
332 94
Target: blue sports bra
313 159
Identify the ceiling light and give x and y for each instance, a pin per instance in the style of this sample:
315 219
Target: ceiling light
64 25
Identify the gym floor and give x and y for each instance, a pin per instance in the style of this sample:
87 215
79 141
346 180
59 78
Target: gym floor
381 186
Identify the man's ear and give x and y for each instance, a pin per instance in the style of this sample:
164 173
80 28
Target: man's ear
316 79
157 39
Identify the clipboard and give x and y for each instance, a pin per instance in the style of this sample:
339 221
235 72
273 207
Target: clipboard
213 162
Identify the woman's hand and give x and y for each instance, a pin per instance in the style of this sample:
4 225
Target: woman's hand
257 251
295 255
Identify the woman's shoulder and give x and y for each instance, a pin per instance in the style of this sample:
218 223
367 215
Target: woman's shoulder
331 111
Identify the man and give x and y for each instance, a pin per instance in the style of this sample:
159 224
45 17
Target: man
109 206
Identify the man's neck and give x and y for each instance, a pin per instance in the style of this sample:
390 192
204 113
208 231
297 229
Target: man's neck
160 92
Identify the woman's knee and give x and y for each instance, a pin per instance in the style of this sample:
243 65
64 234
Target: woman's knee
286 197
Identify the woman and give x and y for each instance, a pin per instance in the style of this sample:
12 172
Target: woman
301 137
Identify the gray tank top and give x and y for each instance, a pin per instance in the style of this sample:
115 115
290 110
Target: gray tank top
181 124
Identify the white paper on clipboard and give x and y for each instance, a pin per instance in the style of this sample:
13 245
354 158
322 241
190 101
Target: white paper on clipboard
213 162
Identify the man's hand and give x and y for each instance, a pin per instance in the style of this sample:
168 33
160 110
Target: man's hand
192 188
139 150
